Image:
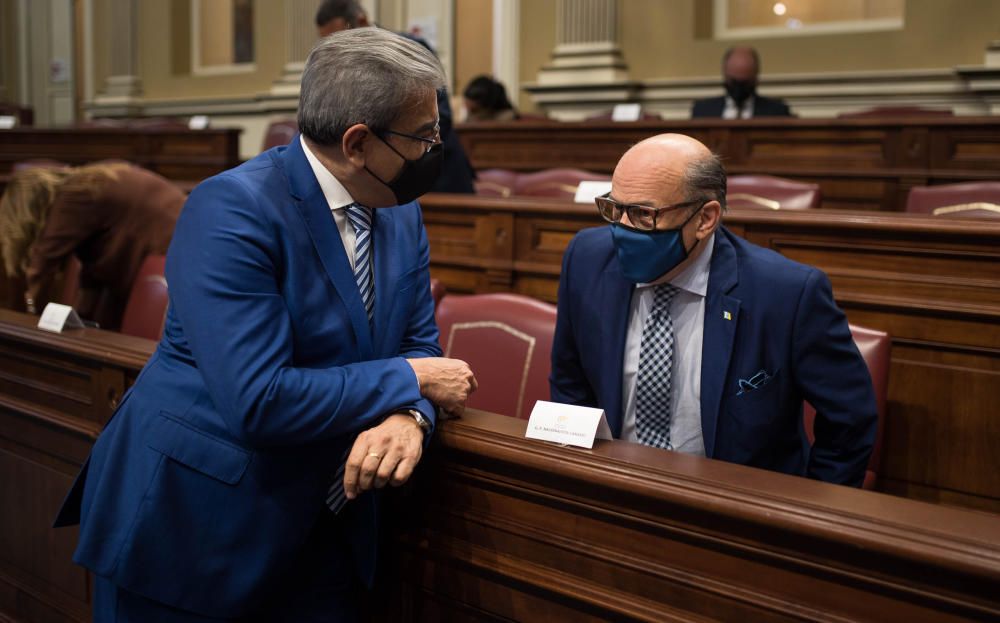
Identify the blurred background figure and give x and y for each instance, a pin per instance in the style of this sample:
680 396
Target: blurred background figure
110 215
740 69
457 174
486 100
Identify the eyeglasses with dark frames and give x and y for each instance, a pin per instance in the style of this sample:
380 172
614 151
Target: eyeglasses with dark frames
434 139
642 218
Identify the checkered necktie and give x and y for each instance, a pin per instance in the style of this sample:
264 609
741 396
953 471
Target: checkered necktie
656 360
361 219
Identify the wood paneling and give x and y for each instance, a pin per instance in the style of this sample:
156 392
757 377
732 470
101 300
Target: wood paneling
932 284
864 164
511 529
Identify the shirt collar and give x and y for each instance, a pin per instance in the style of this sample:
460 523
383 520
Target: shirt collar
694 278
334 192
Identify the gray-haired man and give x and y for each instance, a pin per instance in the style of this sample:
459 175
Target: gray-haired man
299 368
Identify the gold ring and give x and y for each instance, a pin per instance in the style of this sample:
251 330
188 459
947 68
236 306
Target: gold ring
377 456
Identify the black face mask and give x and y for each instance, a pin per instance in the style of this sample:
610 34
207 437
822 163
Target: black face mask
415 177
740 90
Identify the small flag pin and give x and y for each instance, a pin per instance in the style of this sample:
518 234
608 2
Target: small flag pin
727 315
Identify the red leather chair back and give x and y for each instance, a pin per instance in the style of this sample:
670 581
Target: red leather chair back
897 111
437 292
279 133
71 282
560 183
874 346
146 309
968 200
495 182
507 341
767 191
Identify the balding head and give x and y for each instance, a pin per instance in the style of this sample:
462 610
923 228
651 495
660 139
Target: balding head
741 63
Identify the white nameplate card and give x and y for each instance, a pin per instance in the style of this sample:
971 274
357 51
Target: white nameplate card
198 122
626 112
586 192
567 424
7 122
56 317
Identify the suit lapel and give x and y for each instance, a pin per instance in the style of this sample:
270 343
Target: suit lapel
387 273
615 294
722 313
325 236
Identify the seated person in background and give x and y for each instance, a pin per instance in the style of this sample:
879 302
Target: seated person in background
486 100
457 174
111 215
740 68
692 339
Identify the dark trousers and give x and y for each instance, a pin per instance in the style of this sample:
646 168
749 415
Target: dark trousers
321 587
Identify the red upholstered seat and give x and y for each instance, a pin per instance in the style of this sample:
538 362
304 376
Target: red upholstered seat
555 182
897 111
969 200
147 302
767 191
279 133
437 292
495 182
874 346
506 339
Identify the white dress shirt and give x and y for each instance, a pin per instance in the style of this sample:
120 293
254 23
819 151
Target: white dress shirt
732 112
687 310
337 198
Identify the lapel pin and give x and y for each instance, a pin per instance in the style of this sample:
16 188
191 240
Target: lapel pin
727 315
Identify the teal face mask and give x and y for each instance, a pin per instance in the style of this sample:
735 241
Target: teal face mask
645 256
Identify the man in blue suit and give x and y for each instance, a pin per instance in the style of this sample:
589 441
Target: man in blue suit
692 339
298 371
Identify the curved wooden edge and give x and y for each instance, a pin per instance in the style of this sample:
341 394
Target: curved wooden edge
958 540
759 122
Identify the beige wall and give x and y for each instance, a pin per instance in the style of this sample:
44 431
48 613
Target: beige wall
165 59
8 52
473 41
673 39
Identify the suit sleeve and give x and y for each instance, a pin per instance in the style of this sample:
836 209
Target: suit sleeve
224 271
834 378
567 382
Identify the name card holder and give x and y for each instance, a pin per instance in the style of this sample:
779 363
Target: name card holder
567 424
56 318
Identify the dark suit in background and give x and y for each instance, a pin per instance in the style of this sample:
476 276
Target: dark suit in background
762 107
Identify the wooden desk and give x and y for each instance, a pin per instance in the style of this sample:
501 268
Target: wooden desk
187 155
511 529
932 284
502 526
867 164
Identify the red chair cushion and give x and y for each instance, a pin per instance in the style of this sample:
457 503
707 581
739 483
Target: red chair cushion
146 309
767 191
560 183
968 200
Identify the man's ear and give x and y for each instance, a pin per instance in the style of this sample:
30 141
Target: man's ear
711 215
354 143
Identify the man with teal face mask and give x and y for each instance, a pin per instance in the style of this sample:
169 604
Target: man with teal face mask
693 340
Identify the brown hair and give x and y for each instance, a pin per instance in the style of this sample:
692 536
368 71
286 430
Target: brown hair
28 198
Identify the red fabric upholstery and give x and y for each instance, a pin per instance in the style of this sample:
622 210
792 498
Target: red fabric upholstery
495 182
437 292
897 111
970 199
756 191
279 133
874 346
506 339
147 302
555 182
71 282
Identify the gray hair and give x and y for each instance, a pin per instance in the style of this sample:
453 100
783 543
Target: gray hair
364 75
706 179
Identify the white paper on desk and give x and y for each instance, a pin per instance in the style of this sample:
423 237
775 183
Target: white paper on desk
7 122
567 424
626 112
56 317
586 192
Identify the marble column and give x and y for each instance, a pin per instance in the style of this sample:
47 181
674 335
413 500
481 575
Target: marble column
300 37
122 86
587 49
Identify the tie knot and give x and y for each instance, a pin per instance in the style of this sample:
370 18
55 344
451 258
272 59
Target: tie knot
360 217
662 296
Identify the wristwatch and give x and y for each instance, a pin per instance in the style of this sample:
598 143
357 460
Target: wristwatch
422 422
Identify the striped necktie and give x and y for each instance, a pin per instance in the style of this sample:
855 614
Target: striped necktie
361 220
653 383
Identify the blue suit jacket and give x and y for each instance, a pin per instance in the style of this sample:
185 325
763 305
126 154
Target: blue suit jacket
205 483
782 319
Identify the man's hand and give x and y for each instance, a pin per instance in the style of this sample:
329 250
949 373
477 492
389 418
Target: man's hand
385 453
445 382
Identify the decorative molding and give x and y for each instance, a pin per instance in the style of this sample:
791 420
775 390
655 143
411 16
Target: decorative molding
587 50
506 44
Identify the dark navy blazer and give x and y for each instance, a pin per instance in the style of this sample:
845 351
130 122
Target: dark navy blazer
203 487
762 107
781 319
